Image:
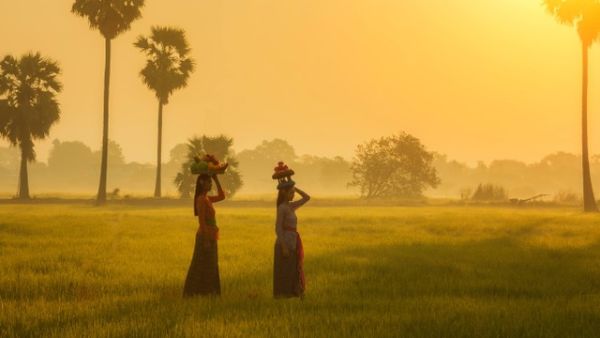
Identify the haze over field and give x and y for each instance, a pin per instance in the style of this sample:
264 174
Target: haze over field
416 168
473 79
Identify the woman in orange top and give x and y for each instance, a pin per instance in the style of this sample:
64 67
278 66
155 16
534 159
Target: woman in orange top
203 274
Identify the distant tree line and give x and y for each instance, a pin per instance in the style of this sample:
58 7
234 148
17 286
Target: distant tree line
557 174
321 175
73 167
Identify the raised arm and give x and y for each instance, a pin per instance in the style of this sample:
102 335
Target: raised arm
305 198
221 194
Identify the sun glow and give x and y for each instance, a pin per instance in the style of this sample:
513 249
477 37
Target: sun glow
377 67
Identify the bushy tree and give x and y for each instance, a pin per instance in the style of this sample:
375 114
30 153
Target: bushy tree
257 164
70 157
328 176
219 146
72 163
489 192
394 166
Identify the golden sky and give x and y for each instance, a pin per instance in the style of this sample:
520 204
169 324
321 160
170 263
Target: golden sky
474 79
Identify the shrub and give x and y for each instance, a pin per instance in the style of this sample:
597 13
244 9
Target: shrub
489 192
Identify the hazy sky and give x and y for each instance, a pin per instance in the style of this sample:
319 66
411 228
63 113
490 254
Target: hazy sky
475 79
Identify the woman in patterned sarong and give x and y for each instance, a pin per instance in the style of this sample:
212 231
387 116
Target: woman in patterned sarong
288 267
203 274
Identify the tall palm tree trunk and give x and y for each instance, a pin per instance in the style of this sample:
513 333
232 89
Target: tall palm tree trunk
157 191
103 166
589 202
23 178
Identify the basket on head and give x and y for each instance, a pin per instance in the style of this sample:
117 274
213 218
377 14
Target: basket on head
283 175
208 165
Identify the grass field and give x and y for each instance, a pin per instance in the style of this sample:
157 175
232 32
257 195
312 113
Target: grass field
82 271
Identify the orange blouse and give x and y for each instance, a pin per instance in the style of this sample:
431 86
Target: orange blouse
207 216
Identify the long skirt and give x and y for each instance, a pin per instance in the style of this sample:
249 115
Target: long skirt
286 276
203 274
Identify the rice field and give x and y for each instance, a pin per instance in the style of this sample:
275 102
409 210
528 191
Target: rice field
74 270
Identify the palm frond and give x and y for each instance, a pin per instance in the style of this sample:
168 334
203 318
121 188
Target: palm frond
30 85
583 14
4 116
168 66
110 17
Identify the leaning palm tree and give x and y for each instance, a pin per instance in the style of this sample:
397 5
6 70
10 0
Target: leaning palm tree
585 16
168 68
111 18
28 108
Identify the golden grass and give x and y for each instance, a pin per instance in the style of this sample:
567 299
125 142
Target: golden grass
76 270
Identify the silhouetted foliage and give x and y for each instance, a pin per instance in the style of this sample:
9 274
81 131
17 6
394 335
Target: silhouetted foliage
489 193
554 175
221 148
111 18
567 197
73 168
257 164
585 16
70 156
322 174
178 154
29 108
395 166
168 68
72 163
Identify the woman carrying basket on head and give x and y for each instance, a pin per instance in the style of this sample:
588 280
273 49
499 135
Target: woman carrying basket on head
288 267
203 274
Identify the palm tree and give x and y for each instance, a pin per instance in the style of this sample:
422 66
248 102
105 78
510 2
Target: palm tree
585 16
111 18
168 68
29 108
